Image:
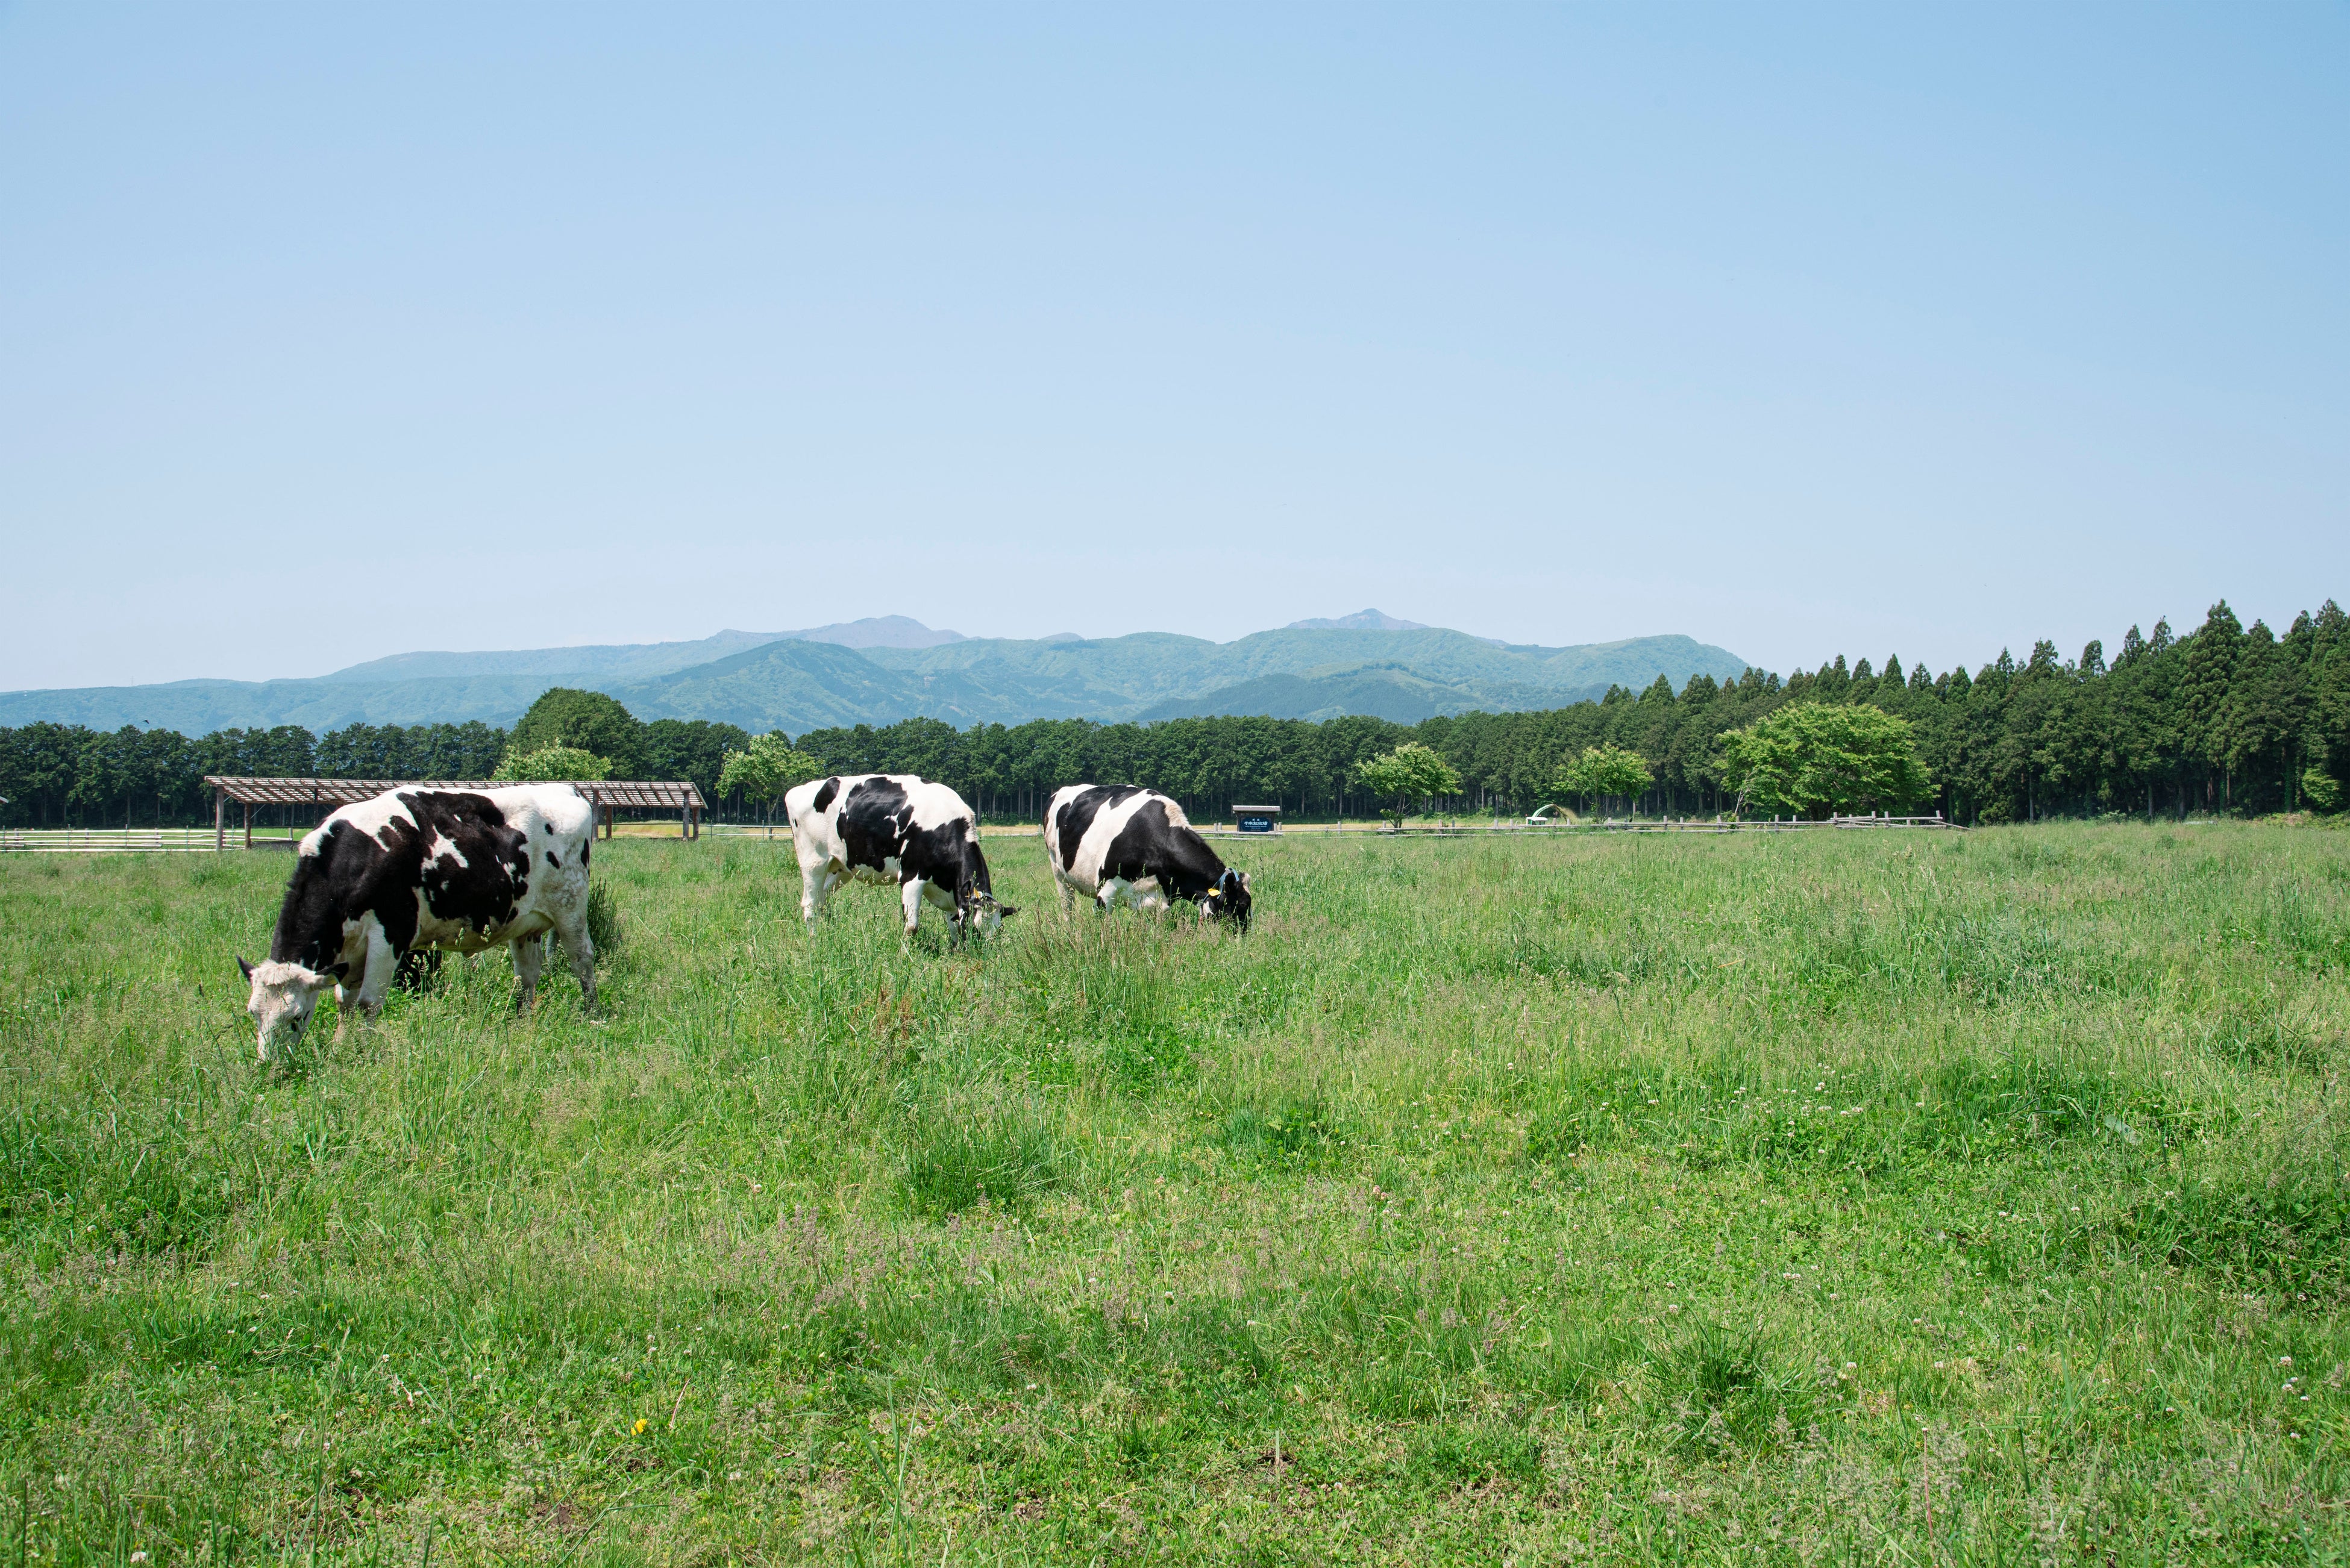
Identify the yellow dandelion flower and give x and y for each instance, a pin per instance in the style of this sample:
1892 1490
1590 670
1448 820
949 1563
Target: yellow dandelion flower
639 1427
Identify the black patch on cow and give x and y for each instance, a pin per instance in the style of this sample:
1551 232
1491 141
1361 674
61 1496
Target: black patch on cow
1078 815
551 860
310 922
874 820
1150 844
354 875
417 970
1231 899
877 826
823 796
974 864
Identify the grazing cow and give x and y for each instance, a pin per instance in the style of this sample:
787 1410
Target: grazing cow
897 829
1116 841
415 868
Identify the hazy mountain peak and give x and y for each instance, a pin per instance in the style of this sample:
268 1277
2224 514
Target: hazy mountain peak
875 631
1362 621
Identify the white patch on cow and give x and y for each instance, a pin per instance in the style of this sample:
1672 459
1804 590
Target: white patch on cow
1086 873
283 995
1083 871
553 819
369 816
823 853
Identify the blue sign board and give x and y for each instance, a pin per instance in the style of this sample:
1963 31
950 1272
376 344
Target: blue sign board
1252 823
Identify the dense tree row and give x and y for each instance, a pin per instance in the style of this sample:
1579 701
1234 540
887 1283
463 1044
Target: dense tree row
2224 718
63 774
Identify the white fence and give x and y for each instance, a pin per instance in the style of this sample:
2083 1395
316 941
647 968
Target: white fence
107 840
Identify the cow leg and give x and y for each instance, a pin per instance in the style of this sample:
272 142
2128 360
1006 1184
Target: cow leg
815 885
365 996
529 952
939 898
910 895
1068 896
382 965
572 932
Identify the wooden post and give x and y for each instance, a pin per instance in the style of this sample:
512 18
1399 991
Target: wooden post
248 825
220 820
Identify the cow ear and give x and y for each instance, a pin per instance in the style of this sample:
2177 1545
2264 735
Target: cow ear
245 967
1245 887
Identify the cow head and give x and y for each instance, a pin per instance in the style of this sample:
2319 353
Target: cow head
1229 898
977 910
284 995
975 905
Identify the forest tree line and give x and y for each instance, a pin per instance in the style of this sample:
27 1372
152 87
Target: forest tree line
58 776
2224 718
2221 719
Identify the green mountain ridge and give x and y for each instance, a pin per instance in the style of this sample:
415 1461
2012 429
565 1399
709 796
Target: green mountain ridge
1380 691
791 683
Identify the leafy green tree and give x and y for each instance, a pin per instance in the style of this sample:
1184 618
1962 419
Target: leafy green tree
2211 656
587 722
1817 758
766 769
1411 773
1602 771
552 765
692 749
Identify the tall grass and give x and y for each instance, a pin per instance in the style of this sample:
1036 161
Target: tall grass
1912 1199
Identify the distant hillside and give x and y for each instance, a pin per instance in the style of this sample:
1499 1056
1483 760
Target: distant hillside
424 688
1150 668
199 707
557 666
1382 692
1362 621
597 664
1405 675
877 671
790 686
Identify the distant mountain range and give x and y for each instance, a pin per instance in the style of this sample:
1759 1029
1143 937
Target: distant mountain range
1362 621
881 669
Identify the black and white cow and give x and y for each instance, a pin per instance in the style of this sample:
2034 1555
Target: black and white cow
1110 842
897 829
419 868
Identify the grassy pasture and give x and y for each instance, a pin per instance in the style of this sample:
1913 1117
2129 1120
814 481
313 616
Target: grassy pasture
1876 1196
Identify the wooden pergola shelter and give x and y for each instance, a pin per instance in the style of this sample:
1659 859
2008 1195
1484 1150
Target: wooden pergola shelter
606 795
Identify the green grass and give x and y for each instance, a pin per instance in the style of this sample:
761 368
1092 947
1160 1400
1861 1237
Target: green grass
1871 1197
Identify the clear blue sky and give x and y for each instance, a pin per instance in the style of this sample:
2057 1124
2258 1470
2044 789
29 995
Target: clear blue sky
329 332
